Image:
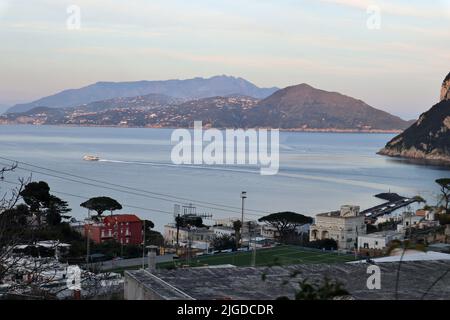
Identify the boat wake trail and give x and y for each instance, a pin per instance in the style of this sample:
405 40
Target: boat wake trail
255 170
185 166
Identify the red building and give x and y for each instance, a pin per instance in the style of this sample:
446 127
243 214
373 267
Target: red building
123 228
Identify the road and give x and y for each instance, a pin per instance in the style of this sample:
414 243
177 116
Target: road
128 263
388 207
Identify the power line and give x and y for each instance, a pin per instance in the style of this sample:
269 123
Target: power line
117 190
113 189
198 202
86 198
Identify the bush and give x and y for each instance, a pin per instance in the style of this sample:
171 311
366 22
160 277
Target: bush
444 219
327 244
224 242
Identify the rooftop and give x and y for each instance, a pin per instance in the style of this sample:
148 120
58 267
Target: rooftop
336 214
268 283
121 218
382 234
413 256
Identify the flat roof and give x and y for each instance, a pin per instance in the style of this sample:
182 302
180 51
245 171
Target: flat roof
269 283
329 214
381 234
337 214
414 256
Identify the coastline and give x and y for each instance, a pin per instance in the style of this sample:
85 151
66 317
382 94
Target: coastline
310 130
416 156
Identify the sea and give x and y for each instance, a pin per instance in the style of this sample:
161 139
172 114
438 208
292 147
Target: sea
318 172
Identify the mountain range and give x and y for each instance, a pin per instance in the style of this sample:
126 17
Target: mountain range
429 137
222 102
189 89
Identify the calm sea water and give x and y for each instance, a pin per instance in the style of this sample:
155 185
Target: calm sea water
318 172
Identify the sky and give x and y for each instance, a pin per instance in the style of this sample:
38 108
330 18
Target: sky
391 54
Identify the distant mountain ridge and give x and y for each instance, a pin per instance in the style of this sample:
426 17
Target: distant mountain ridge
305 107
429 137
189 89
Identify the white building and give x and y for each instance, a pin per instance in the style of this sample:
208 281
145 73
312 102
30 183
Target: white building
378 240
220 231
409 220
227 222
185 234
270 232
344 226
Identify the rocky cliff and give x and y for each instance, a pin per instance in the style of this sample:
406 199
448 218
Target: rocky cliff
429 137
445 90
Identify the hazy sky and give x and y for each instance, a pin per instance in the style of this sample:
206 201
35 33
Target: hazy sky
326 43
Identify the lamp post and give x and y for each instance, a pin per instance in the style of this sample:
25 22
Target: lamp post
88 238
243 197
143 248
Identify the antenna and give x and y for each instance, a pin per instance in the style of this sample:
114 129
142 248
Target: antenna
176 210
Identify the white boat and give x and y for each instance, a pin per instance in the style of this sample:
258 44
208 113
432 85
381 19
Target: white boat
91 158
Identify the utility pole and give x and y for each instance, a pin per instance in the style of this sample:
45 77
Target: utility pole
254 248
188 249
88 245
243 197
143 249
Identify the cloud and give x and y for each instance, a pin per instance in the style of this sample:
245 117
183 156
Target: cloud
397 9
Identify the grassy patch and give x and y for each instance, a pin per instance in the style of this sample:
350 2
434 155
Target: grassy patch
283 255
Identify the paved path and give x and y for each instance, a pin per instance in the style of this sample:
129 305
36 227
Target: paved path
128 263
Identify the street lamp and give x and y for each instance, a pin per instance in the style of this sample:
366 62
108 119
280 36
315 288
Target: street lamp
243 197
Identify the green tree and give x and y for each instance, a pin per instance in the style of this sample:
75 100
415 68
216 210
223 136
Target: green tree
327 244
101 204
237 226
286 223
224 242
13 224
56 211
445 190
43 204
187 221
327 290
152 237
179 223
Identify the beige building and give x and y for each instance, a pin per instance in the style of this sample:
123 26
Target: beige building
185 234
343 226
